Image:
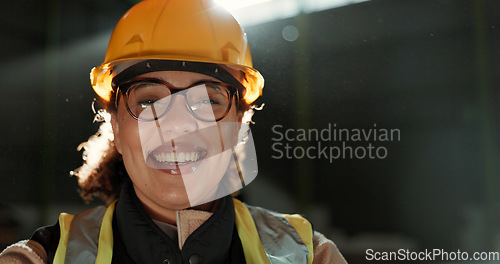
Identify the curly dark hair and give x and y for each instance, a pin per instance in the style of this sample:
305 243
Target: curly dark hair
103 172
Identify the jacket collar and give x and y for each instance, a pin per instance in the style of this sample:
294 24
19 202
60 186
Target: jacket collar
146 243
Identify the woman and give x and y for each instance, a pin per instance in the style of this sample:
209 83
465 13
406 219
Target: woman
176 88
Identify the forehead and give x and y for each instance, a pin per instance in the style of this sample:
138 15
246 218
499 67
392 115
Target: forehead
178 78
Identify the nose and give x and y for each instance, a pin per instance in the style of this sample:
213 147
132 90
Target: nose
178 120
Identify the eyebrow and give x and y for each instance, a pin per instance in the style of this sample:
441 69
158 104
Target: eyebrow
138 79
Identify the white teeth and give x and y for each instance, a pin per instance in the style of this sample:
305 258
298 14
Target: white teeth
179 157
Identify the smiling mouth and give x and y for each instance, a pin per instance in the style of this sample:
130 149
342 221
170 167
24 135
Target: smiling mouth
178 158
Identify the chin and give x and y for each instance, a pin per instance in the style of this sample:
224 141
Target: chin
174 201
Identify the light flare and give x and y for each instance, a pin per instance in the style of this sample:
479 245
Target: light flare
94 150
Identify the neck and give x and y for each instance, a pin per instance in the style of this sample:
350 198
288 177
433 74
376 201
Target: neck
168 214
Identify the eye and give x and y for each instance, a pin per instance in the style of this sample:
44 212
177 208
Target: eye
206 96
142 95
146 103
206 101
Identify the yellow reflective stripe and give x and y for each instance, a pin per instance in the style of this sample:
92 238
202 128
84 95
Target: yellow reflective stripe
252 247
105 245
245 225
304 228
64 225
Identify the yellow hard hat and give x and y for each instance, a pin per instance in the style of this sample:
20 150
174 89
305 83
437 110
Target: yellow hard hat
182 31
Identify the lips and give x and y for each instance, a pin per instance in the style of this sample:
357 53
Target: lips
174 157
177 158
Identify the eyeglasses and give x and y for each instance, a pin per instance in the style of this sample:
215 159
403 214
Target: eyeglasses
150 99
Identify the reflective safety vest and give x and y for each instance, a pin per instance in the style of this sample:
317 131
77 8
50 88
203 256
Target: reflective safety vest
266 236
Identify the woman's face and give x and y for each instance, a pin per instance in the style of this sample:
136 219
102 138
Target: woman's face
177 161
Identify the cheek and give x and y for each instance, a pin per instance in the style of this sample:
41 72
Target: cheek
229 131
132 154
128 133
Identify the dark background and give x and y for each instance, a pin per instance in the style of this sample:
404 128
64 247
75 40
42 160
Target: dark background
428 68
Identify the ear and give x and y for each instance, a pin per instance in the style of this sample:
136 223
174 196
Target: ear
116 132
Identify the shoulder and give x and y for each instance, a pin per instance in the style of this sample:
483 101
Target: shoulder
40 248
325 251
24 252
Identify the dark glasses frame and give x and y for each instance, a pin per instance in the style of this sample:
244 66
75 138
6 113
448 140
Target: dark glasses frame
124 90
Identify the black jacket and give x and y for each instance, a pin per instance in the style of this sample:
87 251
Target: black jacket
137 239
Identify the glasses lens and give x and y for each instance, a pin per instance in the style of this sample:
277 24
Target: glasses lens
148 100
209 101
